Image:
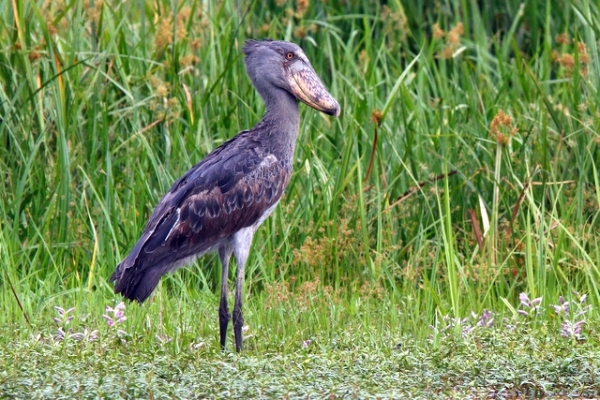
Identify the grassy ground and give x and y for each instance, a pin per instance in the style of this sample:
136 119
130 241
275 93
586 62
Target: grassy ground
439 239
492 365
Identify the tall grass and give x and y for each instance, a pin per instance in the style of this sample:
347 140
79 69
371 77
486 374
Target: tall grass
462 172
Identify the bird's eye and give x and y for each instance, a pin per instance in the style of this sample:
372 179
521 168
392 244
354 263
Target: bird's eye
289 56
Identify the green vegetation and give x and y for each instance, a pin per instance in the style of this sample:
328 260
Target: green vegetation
439 239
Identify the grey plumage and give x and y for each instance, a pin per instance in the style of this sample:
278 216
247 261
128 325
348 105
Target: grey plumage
220 202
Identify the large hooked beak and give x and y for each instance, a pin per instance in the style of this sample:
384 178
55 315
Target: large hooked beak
308 88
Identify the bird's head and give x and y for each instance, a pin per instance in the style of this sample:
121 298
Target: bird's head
284 65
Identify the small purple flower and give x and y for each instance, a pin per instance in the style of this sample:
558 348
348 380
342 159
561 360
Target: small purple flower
524 300
87 335
109 320
60 335
63 319
533 306
64 316
486 320
562 308
467 330
571 330
523 313
118 314
509 327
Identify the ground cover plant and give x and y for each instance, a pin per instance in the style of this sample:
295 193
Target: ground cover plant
439 239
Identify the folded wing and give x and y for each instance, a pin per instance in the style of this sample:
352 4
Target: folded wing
229 190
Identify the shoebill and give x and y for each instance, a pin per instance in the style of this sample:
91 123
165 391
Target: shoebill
219 203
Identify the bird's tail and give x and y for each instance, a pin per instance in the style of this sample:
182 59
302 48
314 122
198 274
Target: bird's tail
135 285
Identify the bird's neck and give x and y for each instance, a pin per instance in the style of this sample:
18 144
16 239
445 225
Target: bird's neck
282 118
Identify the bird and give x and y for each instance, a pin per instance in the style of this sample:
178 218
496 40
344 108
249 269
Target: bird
218 204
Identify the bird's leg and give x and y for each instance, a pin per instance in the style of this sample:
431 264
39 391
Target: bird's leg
238 317
224 316
241 247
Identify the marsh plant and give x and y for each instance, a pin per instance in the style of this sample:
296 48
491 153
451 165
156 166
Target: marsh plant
66 332
571 318
529 307
572 314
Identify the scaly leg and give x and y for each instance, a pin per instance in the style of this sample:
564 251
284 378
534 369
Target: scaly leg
241 247
224 316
